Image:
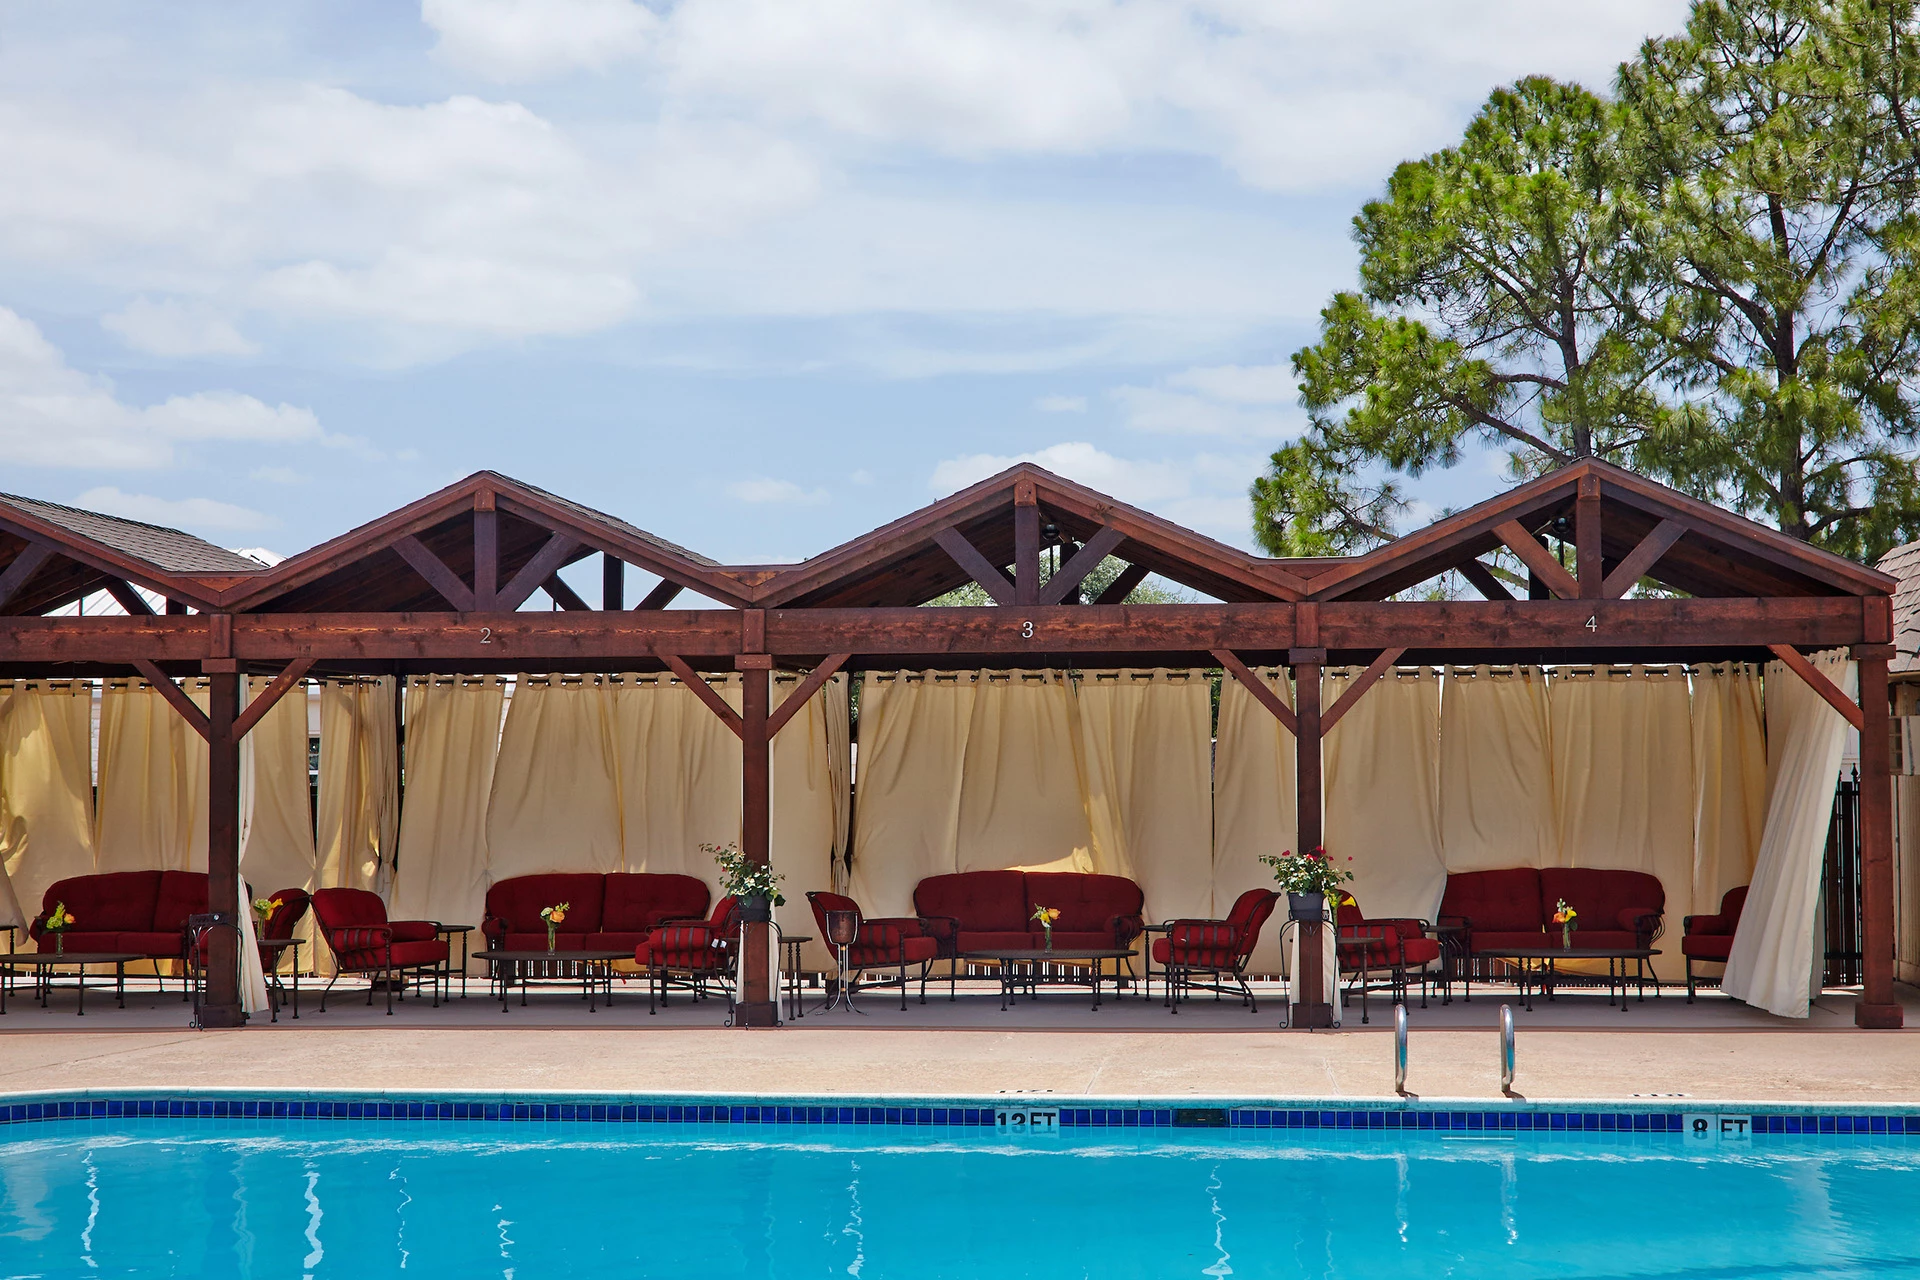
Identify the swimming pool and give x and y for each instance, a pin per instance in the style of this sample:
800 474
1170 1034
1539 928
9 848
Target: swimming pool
371 1198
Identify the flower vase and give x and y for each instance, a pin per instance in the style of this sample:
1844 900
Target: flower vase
1306 906
553 939
1049 936
59 942
1566 937
756 908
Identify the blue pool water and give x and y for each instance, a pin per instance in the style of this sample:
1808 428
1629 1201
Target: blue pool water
219 1198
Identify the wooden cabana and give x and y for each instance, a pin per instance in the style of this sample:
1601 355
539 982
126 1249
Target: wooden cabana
441 586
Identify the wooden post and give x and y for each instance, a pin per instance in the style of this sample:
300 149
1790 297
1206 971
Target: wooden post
1877 1006
1026 544
1309 1009
486 556
756 1005
222 1004
1590 567
613 583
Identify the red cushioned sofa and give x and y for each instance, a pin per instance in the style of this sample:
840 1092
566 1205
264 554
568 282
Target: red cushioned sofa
980 910
1710 938
611 911
139 912
1513 908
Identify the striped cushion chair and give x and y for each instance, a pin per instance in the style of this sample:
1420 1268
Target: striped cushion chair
691 953
354 923
1207 955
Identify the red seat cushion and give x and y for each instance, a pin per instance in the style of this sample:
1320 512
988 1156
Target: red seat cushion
694 947
90 941
292 909
1616 939
181 894
1419 951
995 940
1100 940
910 950
636 901
1488 940
982 901
159 945
619 941
348 908
403 955
538 942
518 900
1599 895
1087 903
1496 901
111 902
1709 946
413 930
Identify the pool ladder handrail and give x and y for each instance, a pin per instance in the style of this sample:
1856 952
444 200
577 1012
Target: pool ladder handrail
1400 1049
1506 1048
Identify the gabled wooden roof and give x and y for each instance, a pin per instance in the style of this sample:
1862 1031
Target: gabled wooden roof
904 563
366 570
52 555
1716 553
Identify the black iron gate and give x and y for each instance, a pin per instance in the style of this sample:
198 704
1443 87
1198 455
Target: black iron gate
1842 885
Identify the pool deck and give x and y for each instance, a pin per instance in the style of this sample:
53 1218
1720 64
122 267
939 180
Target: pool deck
1576 1049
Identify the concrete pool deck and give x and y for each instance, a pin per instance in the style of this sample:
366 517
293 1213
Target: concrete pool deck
1577 1049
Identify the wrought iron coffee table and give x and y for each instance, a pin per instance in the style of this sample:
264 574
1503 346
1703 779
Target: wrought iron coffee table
1540 963
43 963
1023 969
592 970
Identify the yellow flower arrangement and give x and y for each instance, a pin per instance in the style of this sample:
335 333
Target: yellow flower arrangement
59 920
1046 916
554 915
265 907
1565 916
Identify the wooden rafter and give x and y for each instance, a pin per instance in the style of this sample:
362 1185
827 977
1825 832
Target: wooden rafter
1483 580
563 595
130 599
1642 558
486 554
1363 682
661 596
176 697
256 710
535 572
1121 587
24 566
1803 667
1254 685
1537 559
435 571
1080 564
705 692
1026 543
977 566
1590 563
613 582
816 678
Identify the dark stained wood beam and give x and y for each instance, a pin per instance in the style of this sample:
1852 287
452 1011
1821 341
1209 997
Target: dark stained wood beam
486 554
1588 562
1254 685
24 566
545 563
1642 558
435 571
176 607
613 582
816 678
1537 559
705 692
176 697
1121 587
563 595
661 596
1026 543
978 567
130 599
256 710
1363 682
1080 564
1803 667
1483 580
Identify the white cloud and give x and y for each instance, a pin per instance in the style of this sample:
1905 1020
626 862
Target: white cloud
783 491
528 39
191 513
862 476
173 328
1242 383
1206 492
1061 404
54 415
1164 412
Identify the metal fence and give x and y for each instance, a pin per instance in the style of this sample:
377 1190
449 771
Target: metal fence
1842 885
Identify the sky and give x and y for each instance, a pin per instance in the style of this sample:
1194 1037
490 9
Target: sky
756 275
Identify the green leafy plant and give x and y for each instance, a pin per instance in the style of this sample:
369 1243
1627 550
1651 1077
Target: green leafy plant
742 877
1310 872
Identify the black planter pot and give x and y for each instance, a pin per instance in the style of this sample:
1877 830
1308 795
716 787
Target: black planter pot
1306 906
756 908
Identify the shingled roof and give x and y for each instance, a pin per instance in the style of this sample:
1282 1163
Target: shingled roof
1904 564
168 550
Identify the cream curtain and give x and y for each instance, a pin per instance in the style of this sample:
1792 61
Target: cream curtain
1496 773
46 790
276 826
1382 769
1021 799
1145 737
359 784
152 804
1623 781
809 804
453 740
678 772
913 744
1730 779
1772 963
1253 803
554 805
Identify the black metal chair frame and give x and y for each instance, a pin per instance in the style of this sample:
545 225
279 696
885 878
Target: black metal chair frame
1362 939
1180 977
377 937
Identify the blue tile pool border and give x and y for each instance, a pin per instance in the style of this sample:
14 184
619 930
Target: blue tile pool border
1440 1116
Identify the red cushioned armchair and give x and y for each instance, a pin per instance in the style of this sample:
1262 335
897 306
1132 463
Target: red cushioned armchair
354 923
1710 938
1206 955
692 953
893 943
1391 948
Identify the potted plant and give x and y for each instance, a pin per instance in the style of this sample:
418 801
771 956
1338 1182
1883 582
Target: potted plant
59 920
755 884
1307 879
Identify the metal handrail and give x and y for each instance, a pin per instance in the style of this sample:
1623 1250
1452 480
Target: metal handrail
1400 1049
1506 1048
